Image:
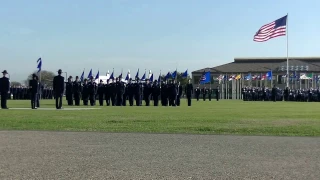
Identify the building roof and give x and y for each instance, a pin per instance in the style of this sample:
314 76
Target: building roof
245 65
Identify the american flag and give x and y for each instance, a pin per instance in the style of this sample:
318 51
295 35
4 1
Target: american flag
271 30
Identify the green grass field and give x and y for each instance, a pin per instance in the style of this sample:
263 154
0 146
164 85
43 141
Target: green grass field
209 117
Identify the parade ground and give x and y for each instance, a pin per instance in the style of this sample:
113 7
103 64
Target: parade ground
209 140
229 117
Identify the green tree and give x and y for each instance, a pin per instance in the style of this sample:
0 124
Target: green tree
15 83
46 78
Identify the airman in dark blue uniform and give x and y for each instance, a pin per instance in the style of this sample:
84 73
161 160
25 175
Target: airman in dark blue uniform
58 89
107 92
189 92
130 91
92 91
77 88
147 92
100 92
85 92
69 91
137 92
33 87
119 92
179 93
4 89
156 93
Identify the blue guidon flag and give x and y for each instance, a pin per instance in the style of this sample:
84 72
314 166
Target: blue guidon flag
271 30
205 78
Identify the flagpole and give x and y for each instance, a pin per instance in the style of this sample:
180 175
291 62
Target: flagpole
83 75
40 79
287 53
176 78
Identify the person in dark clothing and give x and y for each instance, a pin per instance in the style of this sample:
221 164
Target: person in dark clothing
164 94
69 91
172 93
155 93
119 92
130 91
137 92
4 89
77 91
210 91
92 91
204 93
58 89
125 95
101 91
147 92
33 87
107 92
197 92
217 93
189 92
274 93
39 94
179 93
85 92
286 94
113 93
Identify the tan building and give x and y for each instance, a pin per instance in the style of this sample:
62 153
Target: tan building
231 77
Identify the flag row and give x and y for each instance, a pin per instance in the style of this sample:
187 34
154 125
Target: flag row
150 76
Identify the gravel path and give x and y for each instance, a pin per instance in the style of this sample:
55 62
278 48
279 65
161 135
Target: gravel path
86 155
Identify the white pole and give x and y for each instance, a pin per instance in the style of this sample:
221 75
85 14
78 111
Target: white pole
287 52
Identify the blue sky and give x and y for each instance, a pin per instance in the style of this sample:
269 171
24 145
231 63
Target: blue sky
147 34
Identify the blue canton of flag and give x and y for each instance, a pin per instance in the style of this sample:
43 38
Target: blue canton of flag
271 30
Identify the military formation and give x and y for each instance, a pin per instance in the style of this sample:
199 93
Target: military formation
117 93
22 93
205 93
277 94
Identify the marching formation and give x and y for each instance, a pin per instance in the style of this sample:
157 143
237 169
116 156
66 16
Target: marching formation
116 93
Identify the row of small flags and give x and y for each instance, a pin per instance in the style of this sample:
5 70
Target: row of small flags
169 75
206 77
